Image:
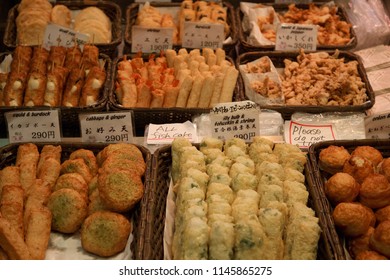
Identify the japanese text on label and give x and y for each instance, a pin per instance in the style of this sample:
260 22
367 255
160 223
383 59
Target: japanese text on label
56 35
378 126
203 35
150 40
290 37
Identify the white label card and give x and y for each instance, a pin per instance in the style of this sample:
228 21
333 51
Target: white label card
235 120
203 35
292 37
33 126
150 40
166 133
378 126
106 127
305 135
56 35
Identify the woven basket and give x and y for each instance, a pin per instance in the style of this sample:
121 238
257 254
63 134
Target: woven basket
278 57
144 116
245 46
138 213
112 10
320 177
69 115
154 231
132 12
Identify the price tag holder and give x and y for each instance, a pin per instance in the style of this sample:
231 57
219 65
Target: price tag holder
235 120
56 35
106 127
33 126
203 35
378 126
293 37
305 135
150 40
159 134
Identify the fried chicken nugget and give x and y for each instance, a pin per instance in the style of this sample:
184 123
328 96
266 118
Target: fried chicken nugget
12 243
77 166
105 233
11 207
120 190
69 210
72 181
88 157
38 232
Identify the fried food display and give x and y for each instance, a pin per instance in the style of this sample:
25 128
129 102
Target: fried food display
333 158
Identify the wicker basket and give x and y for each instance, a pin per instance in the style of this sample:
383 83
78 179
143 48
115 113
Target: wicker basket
278 57
245 46
144 116
319 178
138 213
69 115
154 231
112 10
132 12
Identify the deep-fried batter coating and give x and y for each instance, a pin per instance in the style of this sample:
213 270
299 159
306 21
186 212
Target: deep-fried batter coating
77 166
118 161
120 190
368 152
131 152
9 175
27 160
105 233
384 168
72 181
49 171
95 203
12 243
88 157
358 167
69 210
383 214
352 218
11 207
360 243
375 191
332 158
341 187
370 255
48 151
380 239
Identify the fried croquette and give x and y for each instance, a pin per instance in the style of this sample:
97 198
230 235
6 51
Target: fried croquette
352 218
369 153
358 167
69 210
88 157
72 181
77 166
120 190
121 150
105 233
116 163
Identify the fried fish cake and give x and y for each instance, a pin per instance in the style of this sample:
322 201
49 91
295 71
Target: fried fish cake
69 210
105 233
88 157
77 166
121 163
72 181
120 190
129 150
95 203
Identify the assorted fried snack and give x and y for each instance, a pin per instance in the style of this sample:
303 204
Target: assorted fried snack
44 192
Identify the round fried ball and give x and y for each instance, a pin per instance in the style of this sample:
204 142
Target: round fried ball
358 167
375 191
360 243
351 218
341 187
68 208
380 239
384 168
105 233
369 153
332 158
383 214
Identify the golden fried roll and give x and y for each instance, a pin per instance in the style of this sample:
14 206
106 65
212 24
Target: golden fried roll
73 57
48 151
11 207
39 60
88 157
358 167
56 57
55 83
69 210
360 243
384 168
72 181
27 160
94 82
9 175
12 243
21 59
73 87
370 255
375 191
120 190
352 218
38 232
90 57
368 152
77 165
333 158
341 187
380 239
35 89
383 214
95 203
14 89
105 233
50 171
3 81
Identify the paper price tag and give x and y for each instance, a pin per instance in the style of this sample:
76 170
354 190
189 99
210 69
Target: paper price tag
292 37
305 135
378 126
149 40
203 35
235 120
166 133
33 126
56 35
106 127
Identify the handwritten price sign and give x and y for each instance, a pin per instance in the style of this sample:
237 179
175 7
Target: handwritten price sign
56 35
203 35
150 40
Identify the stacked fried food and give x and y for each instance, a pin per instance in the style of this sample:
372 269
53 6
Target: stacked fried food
240 201
178 79
59 77
359 190
43 192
